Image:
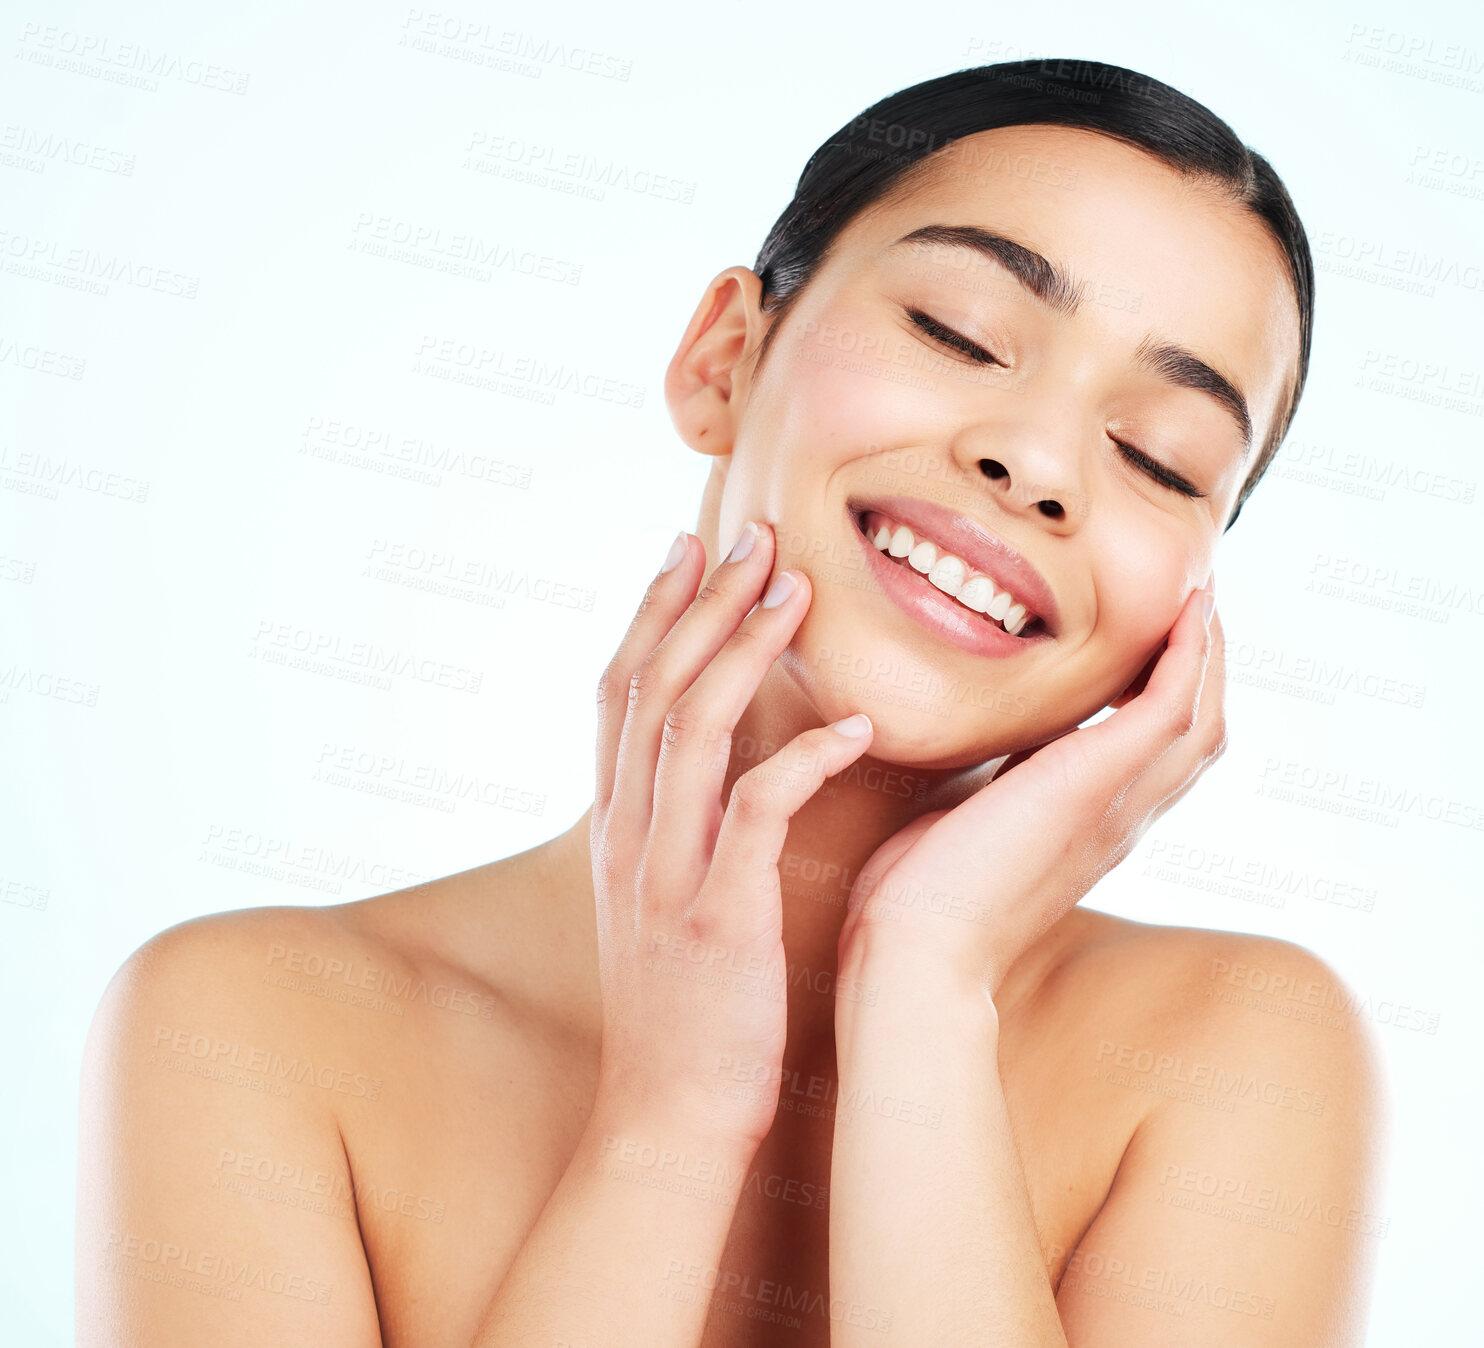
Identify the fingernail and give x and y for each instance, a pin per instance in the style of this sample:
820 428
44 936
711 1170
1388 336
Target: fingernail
677 551
1209 606
854 727
744 542
783 585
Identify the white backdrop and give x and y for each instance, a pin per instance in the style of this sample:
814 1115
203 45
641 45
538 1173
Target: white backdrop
273 288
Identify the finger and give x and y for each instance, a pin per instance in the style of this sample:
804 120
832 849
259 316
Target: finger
671 667
1066 791
739 902
1142 735
664 601
696 742
864 891
1209 734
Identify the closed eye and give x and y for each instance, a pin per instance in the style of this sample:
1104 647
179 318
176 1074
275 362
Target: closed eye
1165 476
941 333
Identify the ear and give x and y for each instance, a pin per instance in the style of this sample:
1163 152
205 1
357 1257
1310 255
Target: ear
704 386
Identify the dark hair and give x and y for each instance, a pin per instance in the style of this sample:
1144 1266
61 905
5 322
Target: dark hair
885 147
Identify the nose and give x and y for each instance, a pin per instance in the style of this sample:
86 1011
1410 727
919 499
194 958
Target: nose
1032 470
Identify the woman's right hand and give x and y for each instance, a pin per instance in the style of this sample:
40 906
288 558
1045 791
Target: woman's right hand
689 905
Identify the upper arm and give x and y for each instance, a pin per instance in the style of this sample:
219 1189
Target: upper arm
1245 1210
188 1227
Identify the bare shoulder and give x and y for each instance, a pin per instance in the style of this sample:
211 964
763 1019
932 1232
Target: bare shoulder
1225 992
246 1071
191 1065
1251 1190
224 991
483 943
1218 1018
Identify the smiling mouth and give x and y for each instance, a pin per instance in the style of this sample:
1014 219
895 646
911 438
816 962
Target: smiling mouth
971 591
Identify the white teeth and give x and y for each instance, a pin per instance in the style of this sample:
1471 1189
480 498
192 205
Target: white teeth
977 593
953 576
922 557
948 574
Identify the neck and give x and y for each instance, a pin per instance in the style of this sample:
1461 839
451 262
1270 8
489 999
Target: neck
829 841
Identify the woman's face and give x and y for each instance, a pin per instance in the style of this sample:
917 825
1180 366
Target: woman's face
935 375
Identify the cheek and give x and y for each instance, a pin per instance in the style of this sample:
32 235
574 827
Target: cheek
1143 579
848 387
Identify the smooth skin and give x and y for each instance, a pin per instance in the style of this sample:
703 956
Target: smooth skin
797 1036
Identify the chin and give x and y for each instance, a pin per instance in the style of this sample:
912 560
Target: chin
923 719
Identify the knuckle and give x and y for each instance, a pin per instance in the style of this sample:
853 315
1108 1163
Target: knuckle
750 796
645 682
683 722
745 636
1181 717
612 687
709 593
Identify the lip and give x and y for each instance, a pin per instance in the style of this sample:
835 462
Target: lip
927 605
976 545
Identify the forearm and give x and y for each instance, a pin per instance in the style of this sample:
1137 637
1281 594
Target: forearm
929 1213
622 1251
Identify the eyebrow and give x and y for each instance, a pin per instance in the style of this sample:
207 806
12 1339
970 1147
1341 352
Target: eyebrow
1057 288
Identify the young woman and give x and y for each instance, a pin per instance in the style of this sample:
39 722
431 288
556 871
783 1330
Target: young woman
798 1035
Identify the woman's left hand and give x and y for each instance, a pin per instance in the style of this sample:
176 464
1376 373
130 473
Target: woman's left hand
961 894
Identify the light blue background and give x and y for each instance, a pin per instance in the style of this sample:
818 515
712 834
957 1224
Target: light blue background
145 594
